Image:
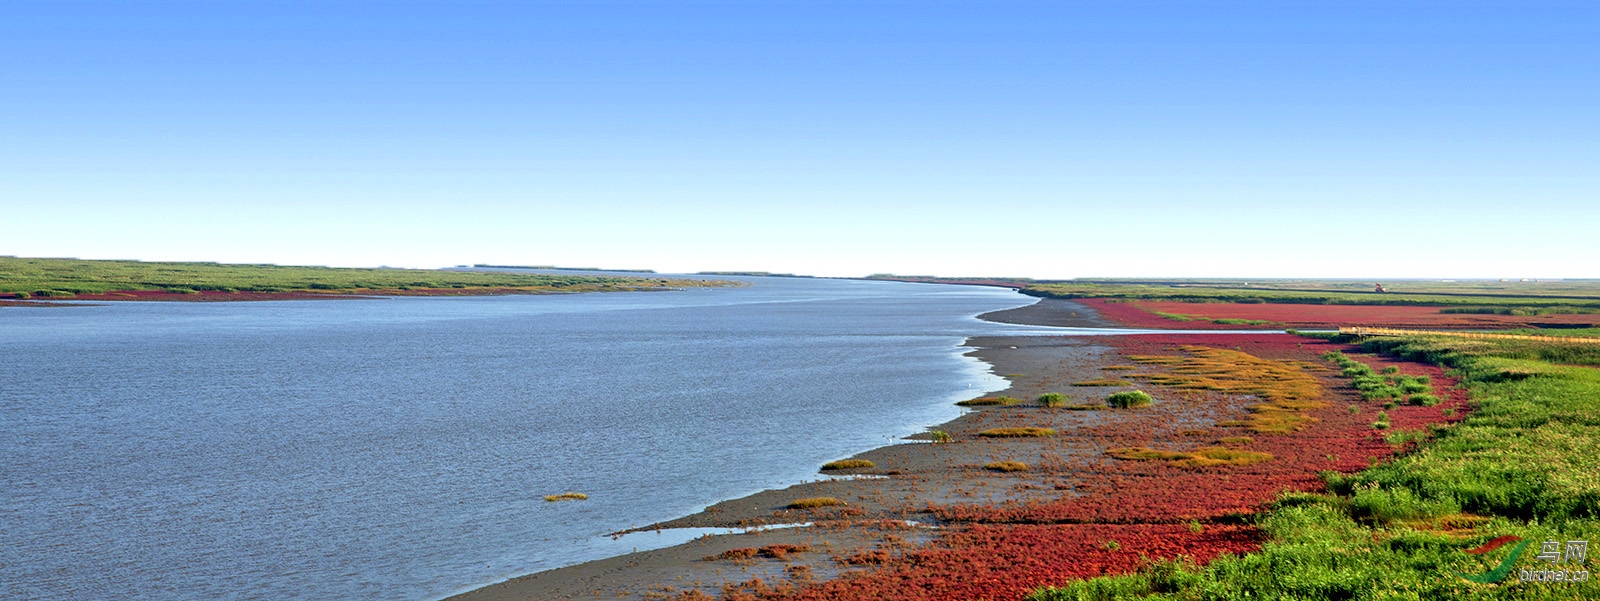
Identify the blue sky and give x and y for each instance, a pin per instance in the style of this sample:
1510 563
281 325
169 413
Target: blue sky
1253 139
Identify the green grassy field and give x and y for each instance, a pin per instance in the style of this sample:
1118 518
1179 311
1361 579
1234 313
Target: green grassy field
1578 296
1525 462
58 278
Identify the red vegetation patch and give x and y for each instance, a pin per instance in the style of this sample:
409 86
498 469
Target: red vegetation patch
1148 508
1007 562
1141 314
1129 315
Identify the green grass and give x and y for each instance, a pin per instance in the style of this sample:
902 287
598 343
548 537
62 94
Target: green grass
1522 463
1052 399
1520 311
1549 297
1175 316
1230 321
1579 332
58 278
1129 398
1316 550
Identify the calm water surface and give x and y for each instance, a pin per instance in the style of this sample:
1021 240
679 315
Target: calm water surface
400 449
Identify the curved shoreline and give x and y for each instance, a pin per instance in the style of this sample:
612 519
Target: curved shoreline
880 509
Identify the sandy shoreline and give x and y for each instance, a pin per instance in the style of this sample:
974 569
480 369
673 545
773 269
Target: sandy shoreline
906 479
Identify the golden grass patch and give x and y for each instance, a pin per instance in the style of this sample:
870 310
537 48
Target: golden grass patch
1017 432
1006 466
1206 457
1103 382
1459 525
848 464
1083 407
567 496
1119 368
1236 440
814 502
1284 387
990 401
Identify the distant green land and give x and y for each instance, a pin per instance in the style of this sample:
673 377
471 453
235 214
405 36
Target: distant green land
66 278
1486 296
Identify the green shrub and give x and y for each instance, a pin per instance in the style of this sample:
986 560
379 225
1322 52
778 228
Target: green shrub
1129 398
1426 400
1382 392
1411 385
1052 399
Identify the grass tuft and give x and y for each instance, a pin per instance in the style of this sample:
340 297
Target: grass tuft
848 464
1206 457
1006 466
1129 398
990 401
814 503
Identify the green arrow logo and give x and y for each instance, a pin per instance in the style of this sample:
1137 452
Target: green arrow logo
1504 569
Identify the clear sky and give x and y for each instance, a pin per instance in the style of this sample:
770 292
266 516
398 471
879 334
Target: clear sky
1058 139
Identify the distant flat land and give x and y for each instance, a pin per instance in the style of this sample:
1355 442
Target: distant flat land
48 279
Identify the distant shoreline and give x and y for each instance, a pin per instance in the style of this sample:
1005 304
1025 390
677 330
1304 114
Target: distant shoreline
213 296
42 282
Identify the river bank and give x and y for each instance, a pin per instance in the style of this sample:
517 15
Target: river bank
885 507
930 521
